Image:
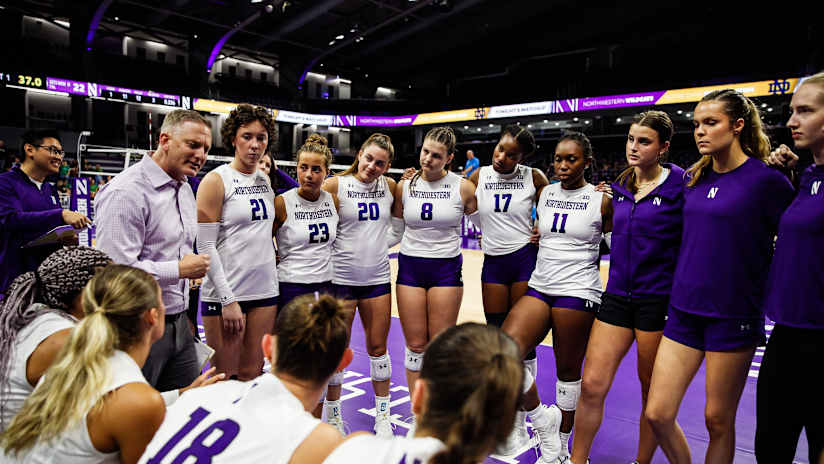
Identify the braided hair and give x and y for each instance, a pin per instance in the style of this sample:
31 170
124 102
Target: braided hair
54 285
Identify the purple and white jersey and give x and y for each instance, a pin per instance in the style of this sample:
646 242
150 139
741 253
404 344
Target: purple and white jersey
395 450
730 221
305 239
570 225
244 240
795 292
232 422
432 212
505 204
359 254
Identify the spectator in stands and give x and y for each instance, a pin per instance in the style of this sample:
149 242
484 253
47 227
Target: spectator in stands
472 164
146 218
30 206
64 171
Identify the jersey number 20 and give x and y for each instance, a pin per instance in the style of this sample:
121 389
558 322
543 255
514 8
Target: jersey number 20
368 211
201 452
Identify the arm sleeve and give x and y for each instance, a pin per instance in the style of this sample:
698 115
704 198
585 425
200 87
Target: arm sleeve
207 243
120 232
396 232
13 218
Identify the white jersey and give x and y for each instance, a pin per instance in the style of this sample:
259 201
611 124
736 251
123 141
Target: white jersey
305 239
27 340
505 204
569 222
432 212
244 241
395 450
74 445
232 422
360 250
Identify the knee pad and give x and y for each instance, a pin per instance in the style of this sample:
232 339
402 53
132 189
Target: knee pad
380 367
566 394
528 381
413 360
531 365
336 379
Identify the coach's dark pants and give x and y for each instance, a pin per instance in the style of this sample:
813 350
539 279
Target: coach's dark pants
172 361
790 396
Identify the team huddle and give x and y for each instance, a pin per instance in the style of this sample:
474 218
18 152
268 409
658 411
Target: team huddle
695 265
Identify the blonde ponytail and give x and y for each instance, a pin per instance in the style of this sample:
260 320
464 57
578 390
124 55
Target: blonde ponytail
113 302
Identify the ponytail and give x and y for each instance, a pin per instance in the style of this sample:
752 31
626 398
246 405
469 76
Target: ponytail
114 302
471 437
312 337
753 140
478 367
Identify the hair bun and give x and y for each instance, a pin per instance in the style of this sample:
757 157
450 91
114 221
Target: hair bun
317 138
325 307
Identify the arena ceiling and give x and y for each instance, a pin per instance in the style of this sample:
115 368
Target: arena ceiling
470 49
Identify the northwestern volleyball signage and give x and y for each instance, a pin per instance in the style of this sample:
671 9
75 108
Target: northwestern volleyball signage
779 86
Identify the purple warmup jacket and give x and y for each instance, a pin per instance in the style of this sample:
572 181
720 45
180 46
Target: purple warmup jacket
26 213
795 292
730 221
645 238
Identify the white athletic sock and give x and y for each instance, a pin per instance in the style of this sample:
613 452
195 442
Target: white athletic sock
332 409
565 442
382 404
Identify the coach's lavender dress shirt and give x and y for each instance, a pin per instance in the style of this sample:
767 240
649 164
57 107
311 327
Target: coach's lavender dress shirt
146 219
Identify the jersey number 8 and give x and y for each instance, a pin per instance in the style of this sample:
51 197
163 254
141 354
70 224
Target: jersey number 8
426 211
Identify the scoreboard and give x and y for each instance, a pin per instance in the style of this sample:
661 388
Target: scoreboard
93 90
32 81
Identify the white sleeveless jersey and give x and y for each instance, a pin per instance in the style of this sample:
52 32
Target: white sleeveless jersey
395 450
305 239
28 339
505 204
244 241
74 446
569 222
432 212
360 249
232 422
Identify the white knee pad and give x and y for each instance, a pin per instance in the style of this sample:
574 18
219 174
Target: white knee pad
528 381
413 360
531 365
380 367
336 379
566 394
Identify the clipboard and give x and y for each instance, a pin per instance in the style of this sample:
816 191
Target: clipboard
53 237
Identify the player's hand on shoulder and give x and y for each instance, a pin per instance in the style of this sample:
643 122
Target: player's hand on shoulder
536 235
408 173
782 157
604 187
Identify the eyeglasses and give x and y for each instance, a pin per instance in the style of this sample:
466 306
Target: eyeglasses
53 150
